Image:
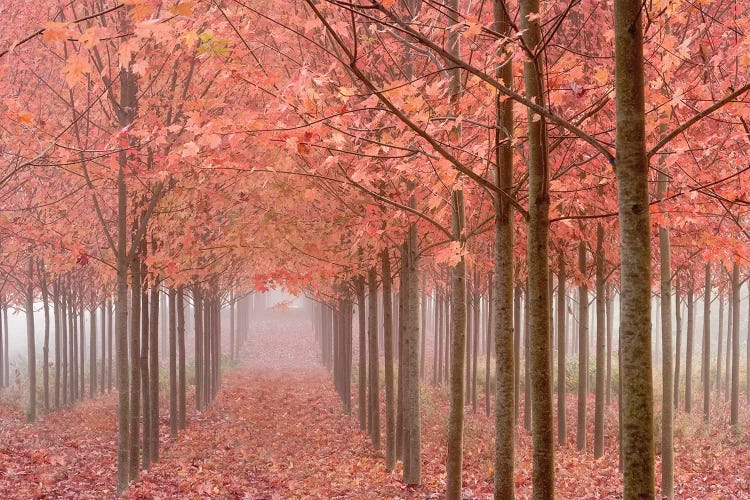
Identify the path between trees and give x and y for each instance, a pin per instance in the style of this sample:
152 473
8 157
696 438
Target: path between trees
277 430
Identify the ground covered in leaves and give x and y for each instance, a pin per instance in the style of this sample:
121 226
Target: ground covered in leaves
277 431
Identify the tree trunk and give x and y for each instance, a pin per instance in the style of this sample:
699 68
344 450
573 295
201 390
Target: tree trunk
121 327
146 348
58 328
423 329
527 407
110 331
720 343
103 352
543 466
488 337
374 371
706 364
517 324
502 303
45 352
678 341
469 337
153 389
198 332
437 352
92 353
600 343
362 393
402 295
667 371
7 332
412 415
82 348
72 343
2 349
583 348
689 349
232 339
173 416
64 342
390 411
631 167
730 334
610 329
181 385
475 305
454 462
31 343
562 425
735 388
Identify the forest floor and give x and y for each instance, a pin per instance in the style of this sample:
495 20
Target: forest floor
277 430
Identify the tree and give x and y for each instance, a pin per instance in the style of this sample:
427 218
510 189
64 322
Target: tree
631 167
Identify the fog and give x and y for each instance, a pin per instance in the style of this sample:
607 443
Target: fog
17 348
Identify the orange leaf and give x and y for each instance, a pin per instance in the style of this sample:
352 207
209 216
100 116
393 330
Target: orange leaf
75 68
55 31
183 9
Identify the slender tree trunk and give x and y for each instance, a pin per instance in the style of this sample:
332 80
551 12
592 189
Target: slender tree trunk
402 295
730 335
667 371
64 343
154 371
720 343
181 385
82 348
92 353
7 332
469 337
527 403
632 170
678 341
103 352
517 324
198 331
583 347
121 327
56 312
610 329
562 426
689 349
439 329
173 416
2 349
390 412
600 343
45 352
475 304
454 463
423 329
31 342
487 342
374 371
146 348
412 413
502 304
72 343
706 364
110 331
543 466
735 387
362 379
135 370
